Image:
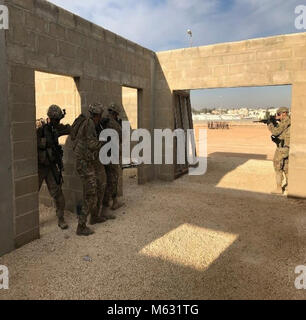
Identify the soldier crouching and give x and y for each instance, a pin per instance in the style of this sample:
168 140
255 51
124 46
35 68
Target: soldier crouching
50 158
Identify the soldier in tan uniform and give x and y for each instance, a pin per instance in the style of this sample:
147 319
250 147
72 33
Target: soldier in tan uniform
50 154
86 149
113 170
281 137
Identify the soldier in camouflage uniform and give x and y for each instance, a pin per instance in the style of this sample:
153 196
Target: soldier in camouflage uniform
281 136
86 149
50 158
113 170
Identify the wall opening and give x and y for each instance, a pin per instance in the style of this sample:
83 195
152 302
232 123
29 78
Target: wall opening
240 151
62 91
130 103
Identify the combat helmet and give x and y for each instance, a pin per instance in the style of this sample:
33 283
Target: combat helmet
115 108
55 112
282 110
95 108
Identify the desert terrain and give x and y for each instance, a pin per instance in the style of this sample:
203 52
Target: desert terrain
217 236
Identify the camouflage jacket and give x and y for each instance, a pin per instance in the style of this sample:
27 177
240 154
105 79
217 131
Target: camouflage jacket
47 141
87 145
282 132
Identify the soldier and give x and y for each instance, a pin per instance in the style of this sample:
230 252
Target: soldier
113 170
281 136
50 154
86 148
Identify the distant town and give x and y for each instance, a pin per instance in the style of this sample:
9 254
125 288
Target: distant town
235 114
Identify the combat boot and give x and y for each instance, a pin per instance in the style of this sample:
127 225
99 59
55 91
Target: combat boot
96 219
83 230
116 204
279 180
62 224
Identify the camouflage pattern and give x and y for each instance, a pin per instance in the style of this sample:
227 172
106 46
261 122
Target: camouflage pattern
44 168
112 173
93 178
86 149
281 156
113 170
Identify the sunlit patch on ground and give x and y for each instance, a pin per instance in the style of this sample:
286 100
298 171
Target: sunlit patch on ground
190 246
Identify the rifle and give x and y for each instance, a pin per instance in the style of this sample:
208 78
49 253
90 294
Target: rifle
271 119
54 153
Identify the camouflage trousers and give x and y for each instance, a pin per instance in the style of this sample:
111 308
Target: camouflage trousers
112 173
93 178
55 190
280 161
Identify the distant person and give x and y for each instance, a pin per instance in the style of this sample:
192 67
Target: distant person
50 158
280 130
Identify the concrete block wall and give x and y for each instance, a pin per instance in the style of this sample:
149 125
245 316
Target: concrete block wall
45 38
279 60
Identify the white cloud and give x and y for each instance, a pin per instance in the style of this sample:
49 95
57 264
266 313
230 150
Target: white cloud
162 24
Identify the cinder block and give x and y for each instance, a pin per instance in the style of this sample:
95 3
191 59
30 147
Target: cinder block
15 53
25 150
27 222
26 238
90 70
24 168
22 75
237 68
26 204
57 31
22 94
35 23
16 16
28 4
47 45
36 60
26 186
220 70
66 19
46 10
82 25
19 35
66 49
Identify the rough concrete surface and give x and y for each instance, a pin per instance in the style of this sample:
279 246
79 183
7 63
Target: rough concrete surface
218 236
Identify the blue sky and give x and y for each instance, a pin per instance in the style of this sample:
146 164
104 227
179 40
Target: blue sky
162 24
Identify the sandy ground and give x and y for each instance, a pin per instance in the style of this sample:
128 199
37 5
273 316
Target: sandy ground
218 236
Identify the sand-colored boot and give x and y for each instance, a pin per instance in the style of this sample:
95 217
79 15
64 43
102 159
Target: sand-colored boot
83 230
279 180
116 204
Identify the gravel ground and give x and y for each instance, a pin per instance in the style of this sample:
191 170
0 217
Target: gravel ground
197 238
